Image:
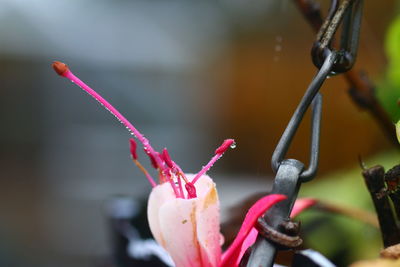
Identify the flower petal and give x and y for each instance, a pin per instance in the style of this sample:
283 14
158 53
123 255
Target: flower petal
302 204
249 241
232 256
208 228
159 195
179 230
187 228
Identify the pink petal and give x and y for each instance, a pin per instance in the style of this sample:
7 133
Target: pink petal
231 257
249 241
302 204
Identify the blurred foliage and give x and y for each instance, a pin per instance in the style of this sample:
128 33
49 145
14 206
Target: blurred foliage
398 130
389 89
341 239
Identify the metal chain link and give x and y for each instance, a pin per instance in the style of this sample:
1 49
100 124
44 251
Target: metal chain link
274 233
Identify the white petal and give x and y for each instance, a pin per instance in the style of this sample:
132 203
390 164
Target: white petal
208 234
187 228
179 229
158 196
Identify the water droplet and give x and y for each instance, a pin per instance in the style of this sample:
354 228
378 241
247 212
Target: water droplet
233 145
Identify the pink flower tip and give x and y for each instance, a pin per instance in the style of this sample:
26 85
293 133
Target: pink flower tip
60 68
225 145
133 147
167 158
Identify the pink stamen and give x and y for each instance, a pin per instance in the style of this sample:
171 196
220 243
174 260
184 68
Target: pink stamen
133 147
167 158
146 173
218 154
180 186
177 194
152 159
225 145
63 70
191 190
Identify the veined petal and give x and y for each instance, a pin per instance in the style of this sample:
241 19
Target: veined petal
187 228
232 255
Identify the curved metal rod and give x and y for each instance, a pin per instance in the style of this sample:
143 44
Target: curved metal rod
349 12
311 171
332 10
350 35
287 136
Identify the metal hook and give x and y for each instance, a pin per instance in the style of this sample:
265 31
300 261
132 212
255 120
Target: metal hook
287 136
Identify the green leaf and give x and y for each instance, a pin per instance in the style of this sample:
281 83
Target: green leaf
388 90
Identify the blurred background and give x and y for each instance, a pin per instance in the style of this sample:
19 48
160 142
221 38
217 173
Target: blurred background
186 73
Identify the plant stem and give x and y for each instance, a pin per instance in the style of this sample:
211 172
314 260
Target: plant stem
374 179
392 179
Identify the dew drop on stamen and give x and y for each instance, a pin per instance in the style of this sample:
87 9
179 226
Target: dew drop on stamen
112 113
233 145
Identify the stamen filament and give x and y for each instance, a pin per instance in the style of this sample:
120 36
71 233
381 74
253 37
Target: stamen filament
165 175
181 174
180 186
218 154
146 173
64 71
206 168
171 181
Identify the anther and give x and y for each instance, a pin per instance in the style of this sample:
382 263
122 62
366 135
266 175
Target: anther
60 68
133 147
218 154
191 190
225 145
153 160
167 158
